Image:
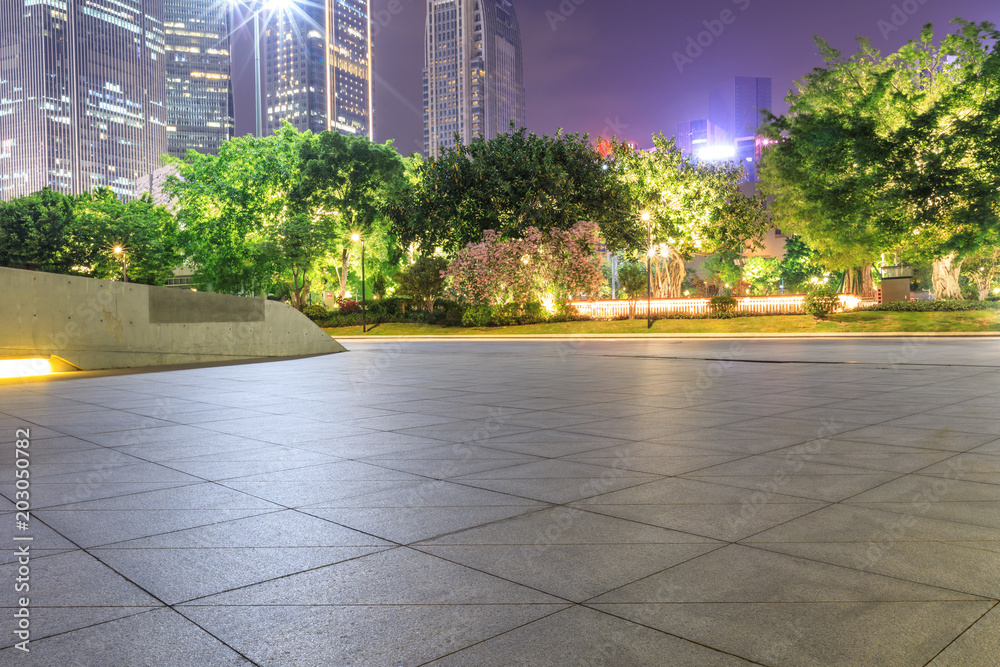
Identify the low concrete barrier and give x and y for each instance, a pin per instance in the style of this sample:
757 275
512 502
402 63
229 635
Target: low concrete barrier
100 324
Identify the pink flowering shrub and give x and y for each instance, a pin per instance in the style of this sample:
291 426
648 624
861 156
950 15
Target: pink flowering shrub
562 263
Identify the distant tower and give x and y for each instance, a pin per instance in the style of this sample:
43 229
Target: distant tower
735 107
82 95
319 67
199 88
473 72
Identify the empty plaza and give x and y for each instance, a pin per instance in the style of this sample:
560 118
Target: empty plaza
535 502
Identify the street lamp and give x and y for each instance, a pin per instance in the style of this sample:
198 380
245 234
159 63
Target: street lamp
118 250
364 323
649 276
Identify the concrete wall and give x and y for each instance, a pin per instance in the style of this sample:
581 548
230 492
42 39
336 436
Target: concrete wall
99 324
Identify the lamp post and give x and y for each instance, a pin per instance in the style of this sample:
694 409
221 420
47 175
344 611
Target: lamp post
649 274
364 323
118 250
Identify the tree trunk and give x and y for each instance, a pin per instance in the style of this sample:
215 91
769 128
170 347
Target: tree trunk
668 275
343 274
300 292
850 284
984 291
945 275
868 290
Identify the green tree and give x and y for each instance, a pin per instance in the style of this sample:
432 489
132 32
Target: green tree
982 269
147 233
884 154
36 232
508 184
231 205
693 207
632 282
344 190
422 280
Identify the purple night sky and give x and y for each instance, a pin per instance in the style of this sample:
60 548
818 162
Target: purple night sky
608 67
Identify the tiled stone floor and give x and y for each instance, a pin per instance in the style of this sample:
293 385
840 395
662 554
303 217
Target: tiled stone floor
518 503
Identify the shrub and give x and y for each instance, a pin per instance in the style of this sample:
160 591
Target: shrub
335 320
348 307
477 316
316 312
943 305
723 306
821 303
422 281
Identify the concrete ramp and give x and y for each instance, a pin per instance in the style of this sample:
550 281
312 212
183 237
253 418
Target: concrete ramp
99 324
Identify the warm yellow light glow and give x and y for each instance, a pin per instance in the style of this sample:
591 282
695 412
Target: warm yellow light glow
21 368
118 250
355 237
549 304
849 301
645 216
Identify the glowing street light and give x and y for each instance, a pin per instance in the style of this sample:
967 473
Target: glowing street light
120 251
649 276
364 323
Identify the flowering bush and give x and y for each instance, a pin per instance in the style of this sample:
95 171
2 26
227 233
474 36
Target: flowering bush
346 307
560 264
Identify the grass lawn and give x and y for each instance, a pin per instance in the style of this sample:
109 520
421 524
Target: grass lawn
863 322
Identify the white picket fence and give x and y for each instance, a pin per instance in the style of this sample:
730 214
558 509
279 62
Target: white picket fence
755 305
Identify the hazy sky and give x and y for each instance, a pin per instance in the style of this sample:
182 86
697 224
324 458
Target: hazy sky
634 67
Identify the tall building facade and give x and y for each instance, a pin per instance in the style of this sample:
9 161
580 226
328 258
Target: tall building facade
199 88
319 67
473 72
695 137
735 106
82 94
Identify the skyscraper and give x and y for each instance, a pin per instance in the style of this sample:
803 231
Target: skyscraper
199 90
735 107
473 71
319 67
82 94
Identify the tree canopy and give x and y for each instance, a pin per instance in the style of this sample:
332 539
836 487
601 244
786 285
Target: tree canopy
884 154
508 184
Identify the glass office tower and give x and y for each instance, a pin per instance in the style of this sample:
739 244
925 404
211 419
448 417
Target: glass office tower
199 88
82 94
473 72
319 67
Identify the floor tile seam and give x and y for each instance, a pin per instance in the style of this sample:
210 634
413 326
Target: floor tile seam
364 605
717 547
789 602
221 547
396 544
717 479
918 448
313 464
215 637
920 515
191 601
758 546
711 540
516 462
959 636
417 547
423 541
499 634
62 507
87 627
110 545
960 432
912 472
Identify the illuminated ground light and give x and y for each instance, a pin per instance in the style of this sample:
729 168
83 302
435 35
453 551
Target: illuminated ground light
21 368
